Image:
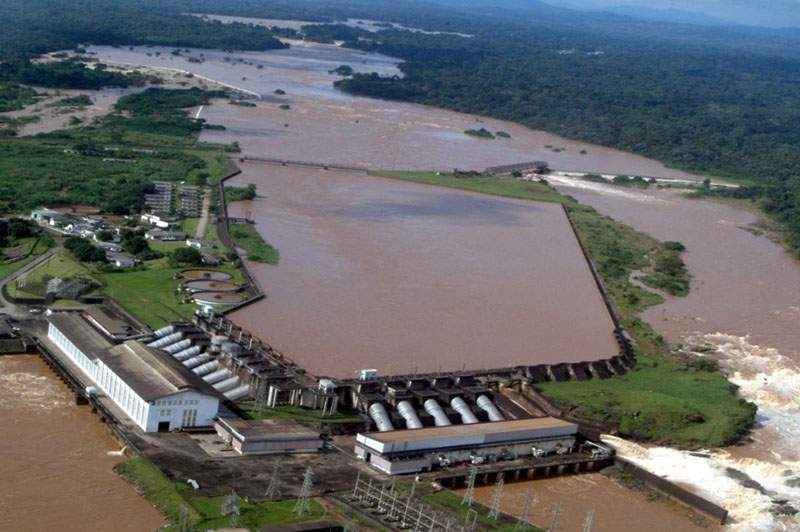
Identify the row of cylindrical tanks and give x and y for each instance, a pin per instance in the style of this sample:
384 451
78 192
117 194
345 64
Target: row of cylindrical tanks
204 364
382 419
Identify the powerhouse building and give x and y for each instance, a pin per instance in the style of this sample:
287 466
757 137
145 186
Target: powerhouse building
156 392
411 451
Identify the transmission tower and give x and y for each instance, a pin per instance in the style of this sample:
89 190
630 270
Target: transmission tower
274 488
302 507
494 511
556 516
522 522
261 398
588 520
469 496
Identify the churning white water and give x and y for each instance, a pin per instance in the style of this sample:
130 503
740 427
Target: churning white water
756 491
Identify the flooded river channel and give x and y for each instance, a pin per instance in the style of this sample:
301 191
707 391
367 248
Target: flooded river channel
743 307
56 460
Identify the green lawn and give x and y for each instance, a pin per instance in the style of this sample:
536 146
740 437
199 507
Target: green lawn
248 238
661 400
189 226
667 398
152 294
7 268
176 500
507 187
60 265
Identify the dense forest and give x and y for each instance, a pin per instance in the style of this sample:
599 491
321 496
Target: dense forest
32 27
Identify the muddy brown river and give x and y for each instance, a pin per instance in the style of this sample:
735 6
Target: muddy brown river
54 456
743 308
406 278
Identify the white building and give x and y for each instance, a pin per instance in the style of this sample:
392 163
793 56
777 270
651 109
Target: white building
159 220
155 391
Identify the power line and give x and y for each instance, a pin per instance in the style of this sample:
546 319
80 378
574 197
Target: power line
274 488
302 506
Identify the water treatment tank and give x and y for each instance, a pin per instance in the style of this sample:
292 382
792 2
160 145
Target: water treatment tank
463 409
433 407
381 418
409 414
486 404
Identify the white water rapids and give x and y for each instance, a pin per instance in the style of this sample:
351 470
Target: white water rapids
771 381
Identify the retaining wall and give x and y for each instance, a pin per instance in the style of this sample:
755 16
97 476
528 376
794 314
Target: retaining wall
676 492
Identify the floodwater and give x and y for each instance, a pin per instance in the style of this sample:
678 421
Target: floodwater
329 126
56 460
743 307
580 494
403 277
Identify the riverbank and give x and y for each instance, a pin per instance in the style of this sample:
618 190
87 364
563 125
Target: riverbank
667 398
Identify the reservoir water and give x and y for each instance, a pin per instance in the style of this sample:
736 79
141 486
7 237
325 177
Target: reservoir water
743 307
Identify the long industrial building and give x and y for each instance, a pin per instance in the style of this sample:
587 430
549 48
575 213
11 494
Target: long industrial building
411 451
155 391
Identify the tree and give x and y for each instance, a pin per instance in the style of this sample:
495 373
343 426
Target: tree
18 228
135 244
105 236
186 256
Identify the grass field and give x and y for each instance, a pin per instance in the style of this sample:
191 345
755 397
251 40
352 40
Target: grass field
177 502
24 245
60 265
258 250
152 294
667 398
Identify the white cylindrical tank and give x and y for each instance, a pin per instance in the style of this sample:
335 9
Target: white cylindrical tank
227 384
216 376
189 352
163 331
381 418
208 367
196 361
463 409
177 346
409 414
433 407
166 340
486 404
237 393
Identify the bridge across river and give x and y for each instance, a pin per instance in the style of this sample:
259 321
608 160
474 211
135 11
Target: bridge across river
324 166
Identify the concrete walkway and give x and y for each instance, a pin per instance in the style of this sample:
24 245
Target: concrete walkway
201 225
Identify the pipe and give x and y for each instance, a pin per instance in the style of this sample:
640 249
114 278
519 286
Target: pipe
189 352
460 406
227 384
237 393
166 340
196 361
409 414
163 331
208 367
177 346
433 407
381 418
486 404
216 376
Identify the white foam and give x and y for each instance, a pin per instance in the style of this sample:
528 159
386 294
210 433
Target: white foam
770 380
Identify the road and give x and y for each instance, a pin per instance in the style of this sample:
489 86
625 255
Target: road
201 225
